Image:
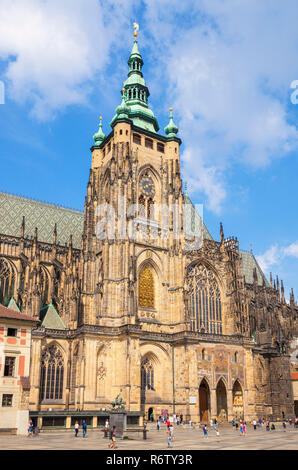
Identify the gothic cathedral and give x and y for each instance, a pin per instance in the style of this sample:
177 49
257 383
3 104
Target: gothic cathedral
134 297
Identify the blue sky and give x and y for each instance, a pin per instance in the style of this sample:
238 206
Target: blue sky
224 66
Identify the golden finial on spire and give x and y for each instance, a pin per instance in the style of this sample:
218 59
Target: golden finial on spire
171 109
100 118
136 27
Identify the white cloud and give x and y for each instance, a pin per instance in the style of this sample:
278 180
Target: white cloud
292 250
270 258
275 255
230 66
55 49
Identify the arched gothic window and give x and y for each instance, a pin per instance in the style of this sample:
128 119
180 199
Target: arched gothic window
205 300
44 288
146 288
7 281
147 375
142 206
51 376
147 194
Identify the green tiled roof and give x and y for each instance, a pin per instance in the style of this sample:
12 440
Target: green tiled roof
249 262
193 221
41 215
51 319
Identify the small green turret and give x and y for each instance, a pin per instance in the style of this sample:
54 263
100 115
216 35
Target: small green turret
171 129
99 136
122 110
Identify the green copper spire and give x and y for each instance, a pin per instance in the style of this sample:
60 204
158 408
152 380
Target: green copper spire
99 136
171 129
136 94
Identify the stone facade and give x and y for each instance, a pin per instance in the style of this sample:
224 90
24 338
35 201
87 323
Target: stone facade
15 348
195 330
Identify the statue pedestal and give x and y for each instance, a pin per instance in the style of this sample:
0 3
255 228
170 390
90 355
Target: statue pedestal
118 418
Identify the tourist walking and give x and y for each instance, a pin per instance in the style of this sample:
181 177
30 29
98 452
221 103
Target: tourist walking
236 425
217 435
205 431
169 437
254 424
171 428
243 428
181 419
84 426
284 426
30 428
76 428
113 439
157 424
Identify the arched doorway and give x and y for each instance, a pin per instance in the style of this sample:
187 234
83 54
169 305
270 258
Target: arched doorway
221 399
204 401
238 410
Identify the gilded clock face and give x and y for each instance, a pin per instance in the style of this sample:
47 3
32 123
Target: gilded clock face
147 186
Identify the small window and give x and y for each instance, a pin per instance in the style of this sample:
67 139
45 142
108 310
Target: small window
120 131
9 366
126 132
160 147
149 143
203 355
7 399
137 139
109 147
104 152
12 332
236 357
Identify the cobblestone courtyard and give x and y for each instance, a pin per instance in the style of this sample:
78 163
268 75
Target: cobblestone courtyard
185 439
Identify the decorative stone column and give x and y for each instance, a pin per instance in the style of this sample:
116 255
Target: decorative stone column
94 421
213 403
230 404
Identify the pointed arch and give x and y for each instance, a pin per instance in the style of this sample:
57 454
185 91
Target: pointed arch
44 281
221 399
205 299
204 400
238 402
52 373
7 280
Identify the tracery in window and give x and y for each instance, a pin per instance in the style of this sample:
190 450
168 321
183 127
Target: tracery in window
51 376
44 288
147 375
205 300
7 281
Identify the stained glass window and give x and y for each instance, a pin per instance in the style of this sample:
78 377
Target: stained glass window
146 288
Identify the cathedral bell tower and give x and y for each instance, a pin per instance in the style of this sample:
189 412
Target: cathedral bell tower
133 269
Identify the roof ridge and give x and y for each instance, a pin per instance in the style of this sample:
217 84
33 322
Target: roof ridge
51 204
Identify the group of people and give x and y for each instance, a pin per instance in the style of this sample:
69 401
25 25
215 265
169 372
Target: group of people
84 428
239 425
